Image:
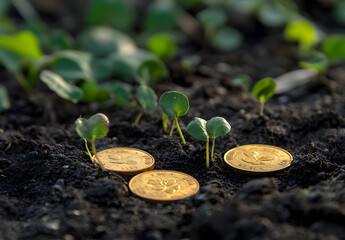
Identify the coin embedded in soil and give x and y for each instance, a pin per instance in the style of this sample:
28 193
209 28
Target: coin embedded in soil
258 158
163 185
126 161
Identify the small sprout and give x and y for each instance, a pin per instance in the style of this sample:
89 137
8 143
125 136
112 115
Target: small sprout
303 32
147 99
220 36
162 45
164 121
316 60
96 127
243 81
161 16
174 104
276 13
62 88
24 44
118 14
334 48
263 90
206 131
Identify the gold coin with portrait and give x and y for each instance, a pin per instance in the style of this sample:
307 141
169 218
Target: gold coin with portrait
126 161
258 158
163 185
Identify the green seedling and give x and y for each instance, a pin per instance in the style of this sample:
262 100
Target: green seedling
315 60
208 131
102 41
220 36
339 11
62 88
334 48
147 99
276 13
303 32
161 16
162 45
17 49
174 104
263 90
118 14
96 127
243 81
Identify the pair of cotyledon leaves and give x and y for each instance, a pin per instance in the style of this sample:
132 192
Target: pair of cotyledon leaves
96 127
204 130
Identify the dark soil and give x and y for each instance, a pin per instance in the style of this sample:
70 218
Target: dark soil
49 189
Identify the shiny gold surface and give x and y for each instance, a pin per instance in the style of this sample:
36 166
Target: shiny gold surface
258 158
126 161
163 185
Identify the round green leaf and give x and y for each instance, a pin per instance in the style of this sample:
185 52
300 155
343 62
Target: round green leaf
147 98
162 45
161 16
118 14
276 13
197 129
73 65
316 60
25 44
212 17
217 126
174 103
227 39
243 81
339 11
101 41
264 89
334 47
57 84
303 32
97 126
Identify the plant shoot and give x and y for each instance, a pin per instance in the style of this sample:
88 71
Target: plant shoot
174 104
96 127
208 131
263 90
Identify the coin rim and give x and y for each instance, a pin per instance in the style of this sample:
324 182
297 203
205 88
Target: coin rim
135 172
261 171
163 200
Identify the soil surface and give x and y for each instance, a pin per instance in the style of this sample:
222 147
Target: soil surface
49 188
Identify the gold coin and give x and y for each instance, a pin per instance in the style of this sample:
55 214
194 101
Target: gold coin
163 186
126 161
258 158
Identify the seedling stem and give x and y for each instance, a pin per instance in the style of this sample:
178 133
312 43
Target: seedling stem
179 130
212 151
262 108
207 154
139 117
172 128
95 154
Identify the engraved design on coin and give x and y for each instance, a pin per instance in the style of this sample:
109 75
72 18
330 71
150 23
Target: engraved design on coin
256 158
122 160
169 186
